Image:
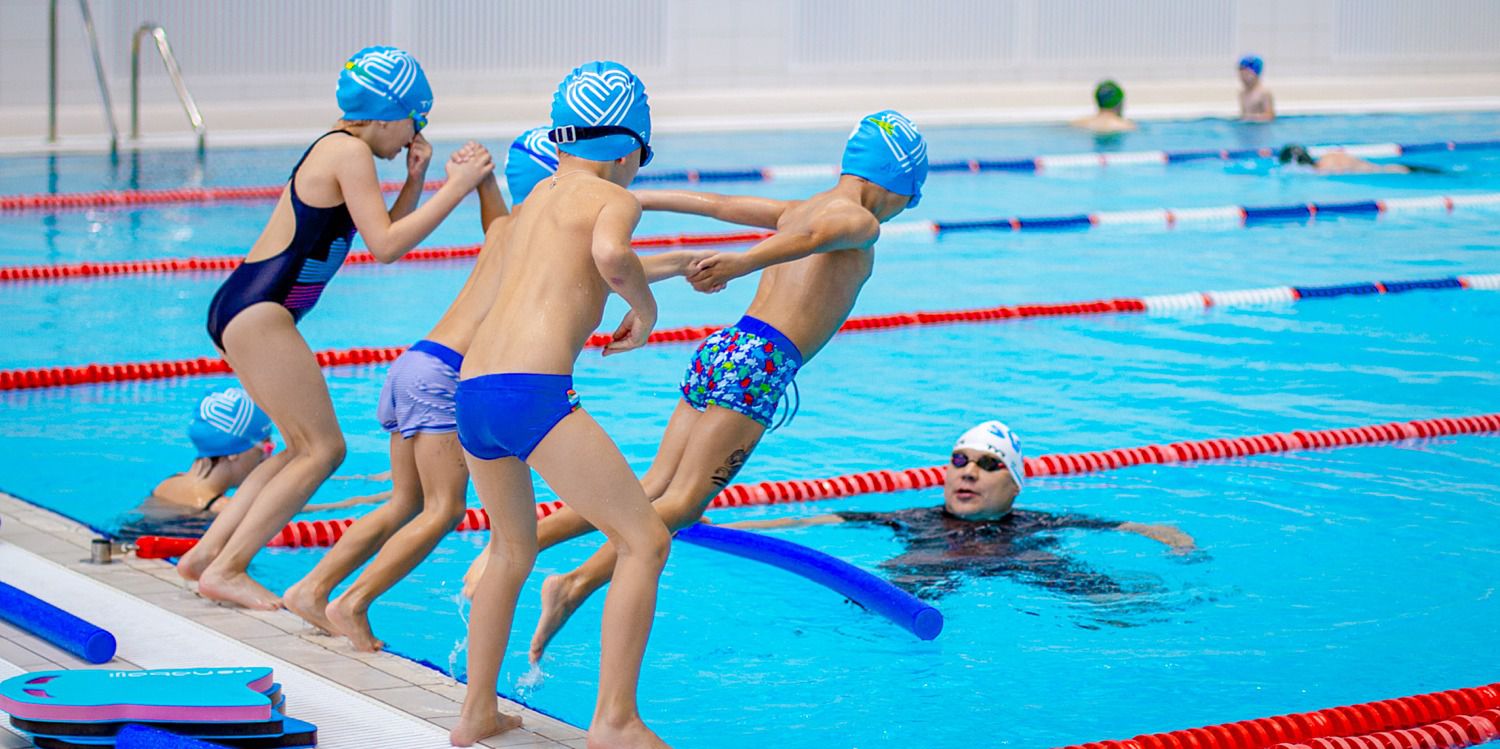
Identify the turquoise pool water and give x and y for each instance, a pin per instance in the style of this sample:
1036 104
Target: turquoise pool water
1322 578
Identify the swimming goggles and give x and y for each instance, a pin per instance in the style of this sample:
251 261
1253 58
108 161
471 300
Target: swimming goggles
986 463
574 133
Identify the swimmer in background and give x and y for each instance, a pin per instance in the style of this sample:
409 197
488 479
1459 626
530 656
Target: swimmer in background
1256 103
977 532
569 249
1338 162
812 271
1111 115
417 409
333 192
231 436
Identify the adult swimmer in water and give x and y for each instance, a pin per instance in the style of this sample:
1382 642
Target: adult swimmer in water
1338 162
231 436
978 532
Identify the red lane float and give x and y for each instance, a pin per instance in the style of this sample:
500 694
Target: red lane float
1424 720
327 532
224 264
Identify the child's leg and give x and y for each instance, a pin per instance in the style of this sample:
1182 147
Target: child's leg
281 374
308 598
504 488
192 564
439 460
721 443
580 462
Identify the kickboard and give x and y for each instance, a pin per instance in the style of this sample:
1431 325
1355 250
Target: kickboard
228 695
298 734
200 729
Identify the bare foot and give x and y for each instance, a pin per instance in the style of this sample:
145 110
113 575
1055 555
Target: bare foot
632 735
352 623
468 731
192 564
559 600
475 571
302 600
238 589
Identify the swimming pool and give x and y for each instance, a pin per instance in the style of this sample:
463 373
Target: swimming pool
1323 577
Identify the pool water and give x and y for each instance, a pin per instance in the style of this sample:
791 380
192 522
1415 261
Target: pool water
1321 577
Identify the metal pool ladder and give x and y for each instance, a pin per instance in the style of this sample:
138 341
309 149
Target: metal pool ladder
195 118
109 110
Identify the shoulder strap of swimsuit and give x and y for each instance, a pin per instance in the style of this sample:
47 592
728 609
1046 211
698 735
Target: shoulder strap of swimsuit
314 144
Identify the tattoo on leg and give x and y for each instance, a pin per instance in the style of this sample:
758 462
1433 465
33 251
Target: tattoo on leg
726 473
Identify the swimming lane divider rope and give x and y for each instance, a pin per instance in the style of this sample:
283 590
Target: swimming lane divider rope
305 533
49 377
137 198
1164 218
1437 720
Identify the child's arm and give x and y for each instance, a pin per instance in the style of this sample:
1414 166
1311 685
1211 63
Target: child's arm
418 156
622 270
735 209
786 522
664 265
491 202
388 240
845 230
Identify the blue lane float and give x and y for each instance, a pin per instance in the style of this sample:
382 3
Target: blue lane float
867 590
81 638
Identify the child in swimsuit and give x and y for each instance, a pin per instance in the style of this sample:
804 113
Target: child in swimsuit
517 410
417 409
333 191
812 273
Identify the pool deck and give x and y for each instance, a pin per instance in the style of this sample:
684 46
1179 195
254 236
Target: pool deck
399 685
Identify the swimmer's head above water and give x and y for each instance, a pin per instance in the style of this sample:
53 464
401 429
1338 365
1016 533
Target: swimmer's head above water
1249 69
600 113
985 474
1294 153
1109 96
227 425
385 87
887 150
531 159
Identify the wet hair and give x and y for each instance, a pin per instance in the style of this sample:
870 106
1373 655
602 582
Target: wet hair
1293 152
1109 95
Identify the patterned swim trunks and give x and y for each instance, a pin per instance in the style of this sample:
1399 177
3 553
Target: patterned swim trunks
745 368
418 391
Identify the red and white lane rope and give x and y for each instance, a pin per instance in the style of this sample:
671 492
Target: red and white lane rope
47 377
133 198
1439 720
327 532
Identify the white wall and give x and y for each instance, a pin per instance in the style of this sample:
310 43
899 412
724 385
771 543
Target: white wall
237 51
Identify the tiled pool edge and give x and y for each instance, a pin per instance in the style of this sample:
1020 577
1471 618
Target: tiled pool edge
402 684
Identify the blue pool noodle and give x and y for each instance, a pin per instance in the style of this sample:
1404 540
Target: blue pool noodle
135 736
872 592
56 626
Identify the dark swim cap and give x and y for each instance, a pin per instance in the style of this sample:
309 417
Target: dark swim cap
1293 152
1109 95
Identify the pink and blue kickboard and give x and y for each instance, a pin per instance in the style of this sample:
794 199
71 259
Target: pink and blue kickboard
212 729
166 695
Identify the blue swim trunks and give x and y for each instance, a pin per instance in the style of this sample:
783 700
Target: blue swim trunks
745 368
418 391
508 415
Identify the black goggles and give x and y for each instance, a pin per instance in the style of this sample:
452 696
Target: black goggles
575 133
986 463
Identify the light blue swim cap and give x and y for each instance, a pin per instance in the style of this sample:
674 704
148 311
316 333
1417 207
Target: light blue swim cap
600 113
227 422
384 83
531 159
1253 62
885 148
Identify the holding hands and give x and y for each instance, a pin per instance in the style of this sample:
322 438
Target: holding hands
468 166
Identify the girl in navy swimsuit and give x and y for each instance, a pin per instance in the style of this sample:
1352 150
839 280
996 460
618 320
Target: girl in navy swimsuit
332 193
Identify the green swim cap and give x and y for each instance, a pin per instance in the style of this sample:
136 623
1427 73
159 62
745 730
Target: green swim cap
1109 95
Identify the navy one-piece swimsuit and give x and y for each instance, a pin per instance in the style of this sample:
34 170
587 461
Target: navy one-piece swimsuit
294 278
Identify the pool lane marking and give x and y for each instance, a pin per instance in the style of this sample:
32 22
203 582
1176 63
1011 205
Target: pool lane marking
49 377
322 533
1231 216
1026 164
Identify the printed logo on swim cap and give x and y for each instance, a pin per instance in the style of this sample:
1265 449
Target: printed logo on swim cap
602 98
531 159
384 83
228 411
888 150
602 94
907 145
996 438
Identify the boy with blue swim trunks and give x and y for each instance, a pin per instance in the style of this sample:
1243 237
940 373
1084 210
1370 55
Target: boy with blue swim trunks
517 410
812 271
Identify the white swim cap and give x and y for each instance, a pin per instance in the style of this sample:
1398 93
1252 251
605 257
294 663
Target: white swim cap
996 438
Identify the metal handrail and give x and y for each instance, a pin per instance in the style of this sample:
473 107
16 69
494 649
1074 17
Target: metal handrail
195 118
109 109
